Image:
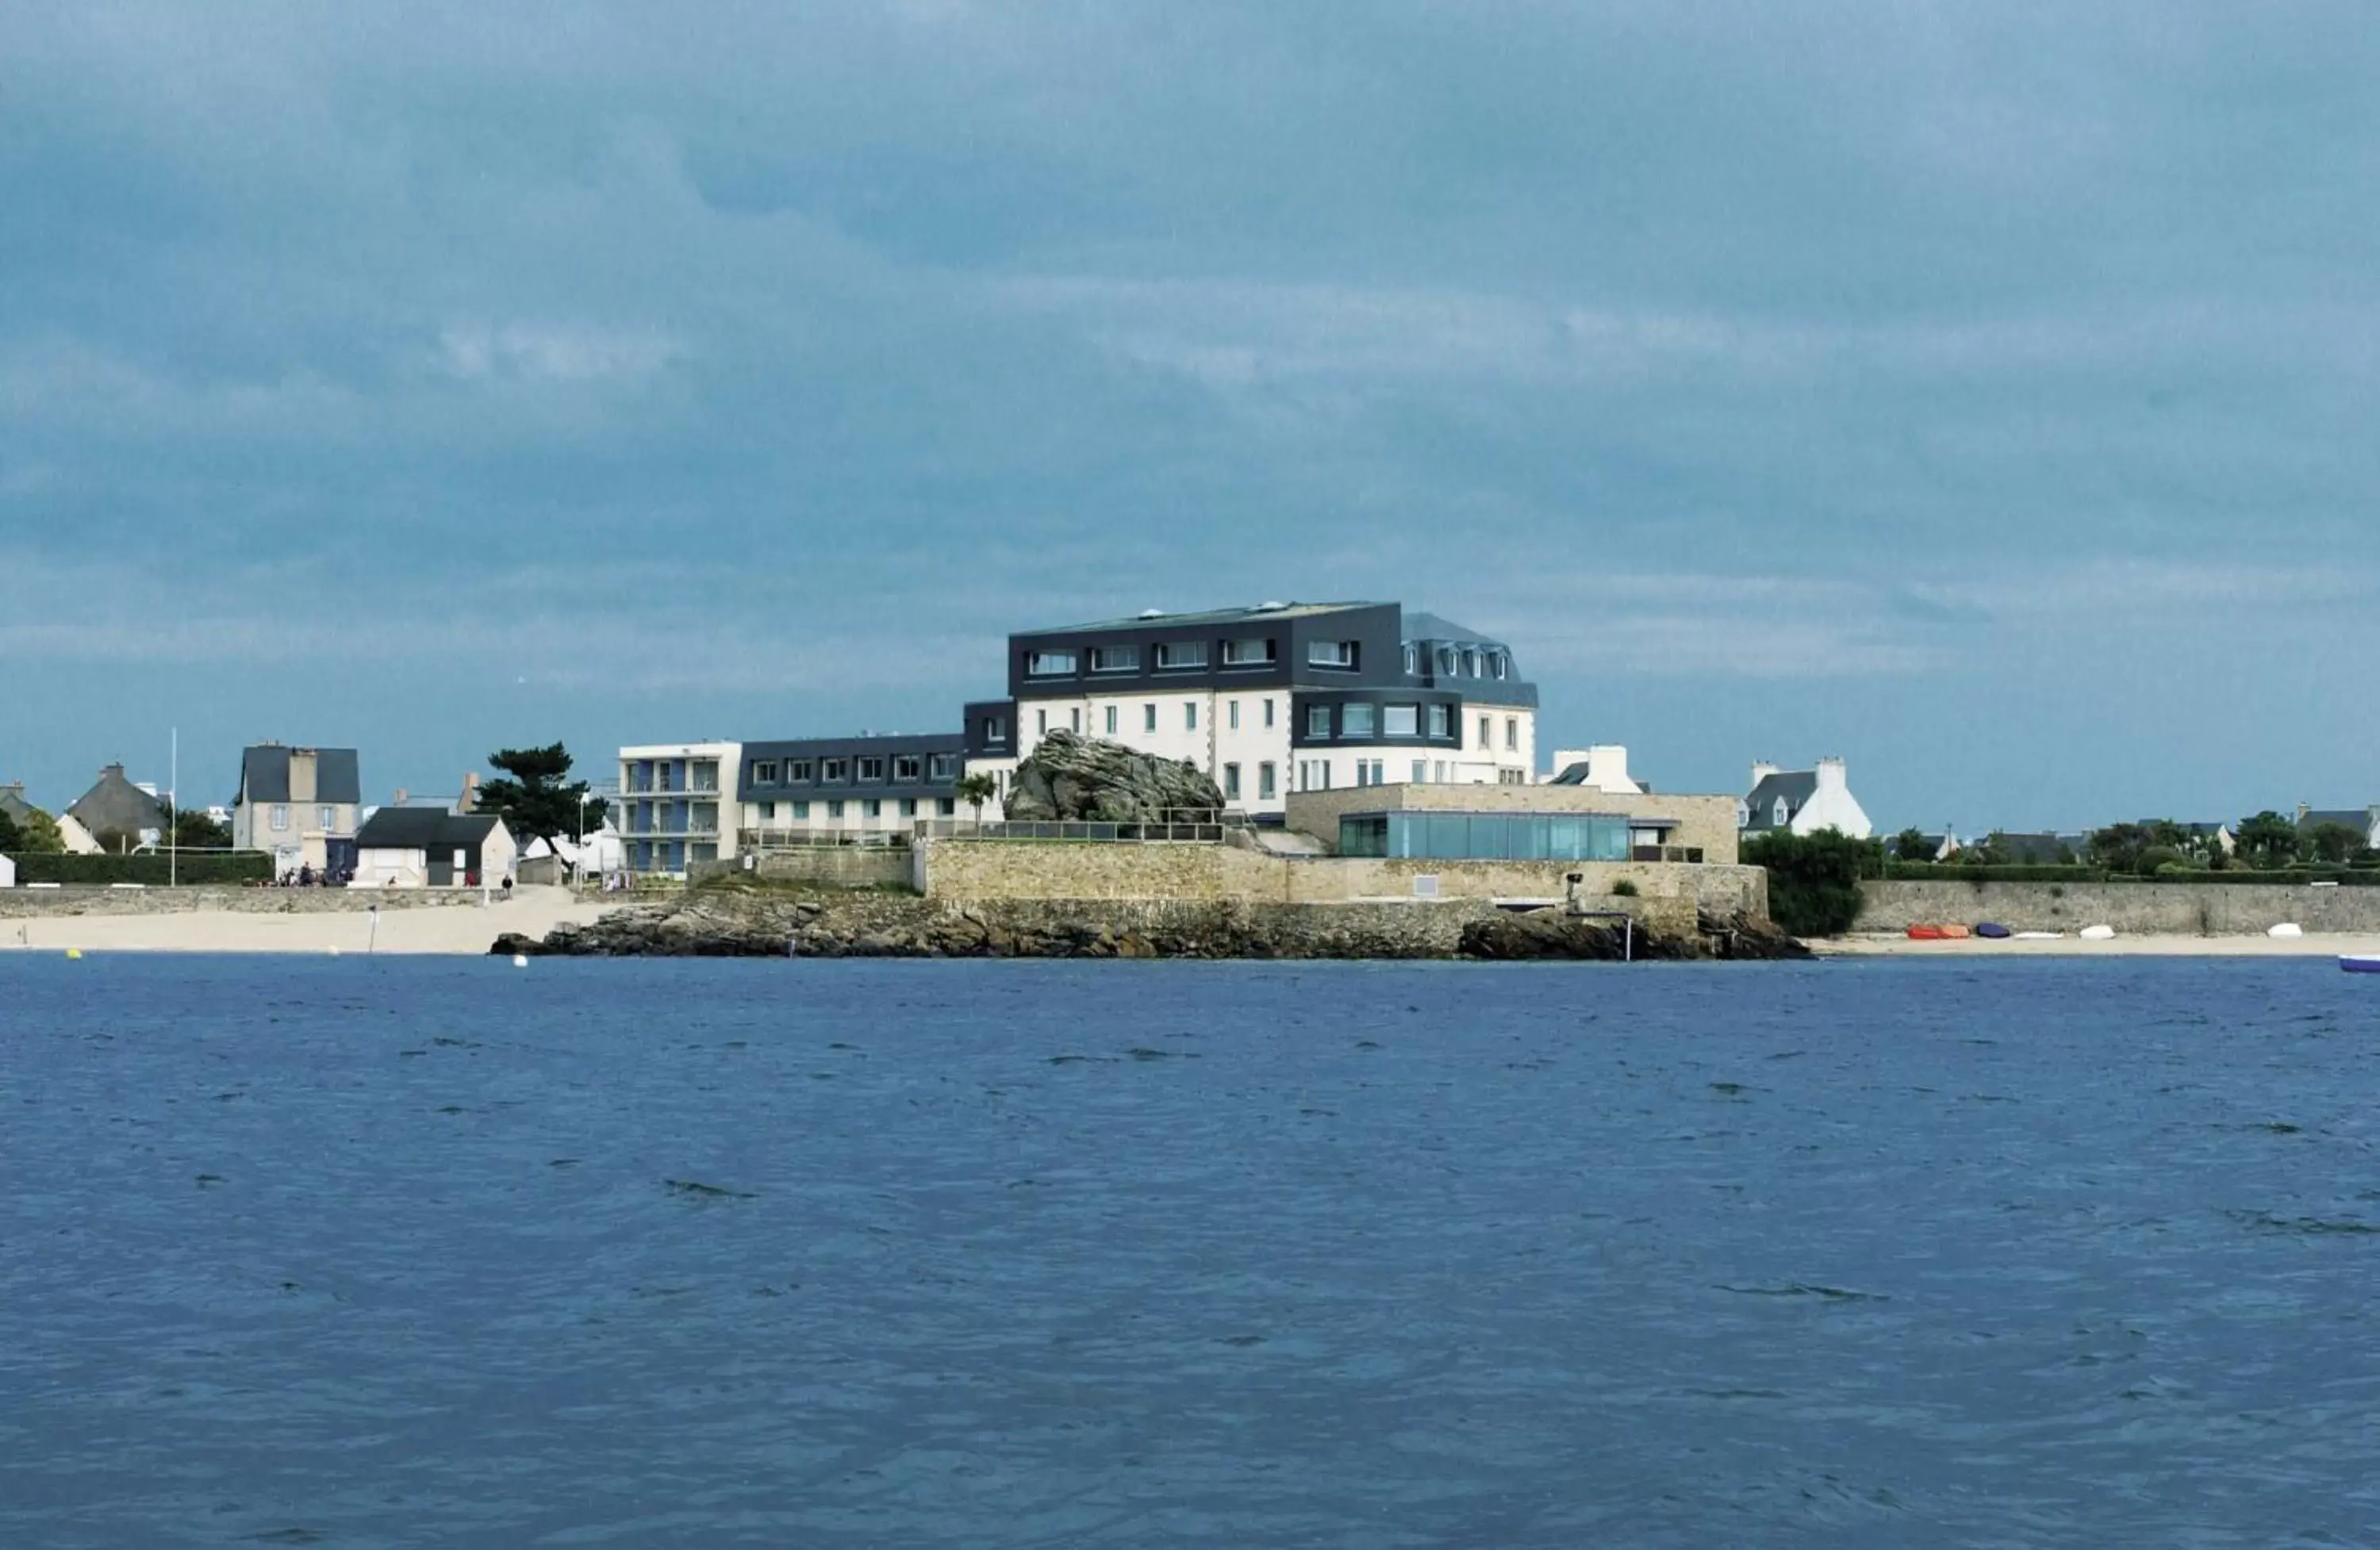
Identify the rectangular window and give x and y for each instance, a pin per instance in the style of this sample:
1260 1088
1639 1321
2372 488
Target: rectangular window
1074 719
1356 721
1379 778
946 807
1250 652
1041 723
1486 736
908 806
801 811
942 766
907 768
1049 665
1401 721
1413 659
768 812
871 770
834 772
1421 772
1180 656
800 772
1235 715
1512 732
1190 715
280 816
1497 664
1330 653
1112 720
1447 661
872 808
1232 782
1437 771
1441 722
324 818
1148 717
1264 781
834 809
1317 721
1115 659
995 730
764 772
1268 712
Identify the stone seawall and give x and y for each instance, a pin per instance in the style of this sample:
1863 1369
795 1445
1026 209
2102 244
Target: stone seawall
832 865
2136 909
17 904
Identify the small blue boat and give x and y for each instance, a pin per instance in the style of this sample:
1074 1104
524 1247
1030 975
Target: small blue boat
2359 962
1993 929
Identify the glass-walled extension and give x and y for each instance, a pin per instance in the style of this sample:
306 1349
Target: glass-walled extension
1486 836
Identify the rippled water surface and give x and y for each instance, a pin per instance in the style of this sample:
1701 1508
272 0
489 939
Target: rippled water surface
375 1254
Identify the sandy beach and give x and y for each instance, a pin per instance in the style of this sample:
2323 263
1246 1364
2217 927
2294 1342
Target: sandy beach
2313 945
459 928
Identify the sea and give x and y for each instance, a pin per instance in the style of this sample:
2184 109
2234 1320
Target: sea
379 1253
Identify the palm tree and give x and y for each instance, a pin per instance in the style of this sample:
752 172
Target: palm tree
975 789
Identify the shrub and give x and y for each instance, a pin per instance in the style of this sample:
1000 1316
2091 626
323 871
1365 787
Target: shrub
1623 889
1813 879
206 866
2160 858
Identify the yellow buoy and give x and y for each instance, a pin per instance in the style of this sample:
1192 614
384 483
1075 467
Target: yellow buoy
74 953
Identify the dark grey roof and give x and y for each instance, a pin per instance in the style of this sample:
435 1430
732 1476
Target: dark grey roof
421 829
264 774
1210 616
1433 626
115 806
1572 775
1794 785
13 803
2355 819
2036 848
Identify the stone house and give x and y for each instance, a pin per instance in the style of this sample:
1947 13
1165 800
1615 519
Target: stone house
1801 801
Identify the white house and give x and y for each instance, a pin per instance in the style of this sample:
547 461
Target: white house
429 847
1602 768
7 873
677 804
1801 801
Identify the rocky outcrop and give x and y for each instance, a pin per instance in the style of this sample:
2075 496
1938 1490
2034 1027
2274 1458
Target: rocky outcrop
1550 933
708 923
1071 777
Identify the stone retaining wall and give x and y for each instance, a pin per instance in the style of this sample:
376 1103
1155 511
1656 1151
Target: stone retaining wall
2136 909
834 865
32 902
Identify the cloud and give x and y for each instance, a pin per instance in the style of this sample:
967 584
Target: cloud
479 352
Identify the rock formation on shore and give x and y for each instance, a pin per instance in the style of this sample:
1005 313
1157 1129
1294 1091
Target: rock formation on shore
718 923
1072 778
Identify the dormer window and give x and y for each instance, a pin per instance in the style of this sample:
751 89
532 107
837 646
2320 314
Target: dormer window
871 769
1413 659
1115 659
1470 663
1497 664
1049 664
1180 656
995 729
764 772
1445 661
1254 652
1330 653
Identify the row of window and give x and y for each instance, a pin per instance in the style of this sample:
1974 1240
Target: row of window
1267 781
905 770
1356 720
1185 656
1462 661
1316 774
1113 719
324 818
870 807
672 775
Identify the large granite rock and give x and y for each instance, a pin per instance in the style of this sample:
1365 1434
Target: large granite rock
1075 778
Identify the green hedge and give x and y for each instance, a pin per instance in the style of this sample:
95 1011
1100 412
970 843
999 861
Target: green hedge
198 866
1952 872
2290 877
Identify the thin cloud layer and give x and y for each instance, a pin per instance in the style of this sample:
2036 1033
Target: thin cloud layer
1964 391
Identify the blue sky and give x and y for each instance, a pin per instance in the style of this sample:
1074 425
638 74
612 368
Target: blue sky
1984 393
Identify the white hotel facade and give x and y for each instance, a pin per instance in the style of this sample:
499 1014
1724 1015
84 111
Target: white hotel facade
1276 698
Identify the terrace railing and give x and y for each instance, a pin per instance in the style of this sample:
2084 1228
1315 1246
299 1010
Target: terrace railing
1201 826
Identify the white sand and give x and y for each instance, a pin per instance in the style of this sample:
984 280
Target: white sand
455 928
2309 946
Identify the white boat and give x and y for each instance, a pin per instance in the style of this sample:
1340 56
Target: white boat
2359 962
2288 930
2097 932
2038 937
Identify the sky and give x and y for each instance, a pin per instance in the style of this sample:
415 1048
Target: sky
1985 395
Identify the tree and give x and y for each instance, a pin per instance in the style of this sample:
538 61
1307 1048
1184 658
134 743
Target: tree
195 831
2268 839
533 796
12 839
1813 879
1911 844
36 835
2332 842
975 789
2118 846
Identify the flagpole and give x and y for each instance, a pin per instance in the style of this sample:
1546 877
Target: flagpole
173 814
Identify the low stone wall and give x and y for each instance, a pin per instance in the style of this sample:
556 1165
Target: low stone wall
830 865
1001 870
2136 909
30 903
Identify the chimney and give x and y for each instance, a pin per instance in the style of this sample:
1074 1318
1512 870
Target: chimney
398 800
469 800
2302 811
1830 773
1761 770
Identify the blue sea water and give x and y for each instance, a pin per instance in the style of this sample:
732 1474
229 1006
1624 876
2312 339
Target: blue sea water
442 1253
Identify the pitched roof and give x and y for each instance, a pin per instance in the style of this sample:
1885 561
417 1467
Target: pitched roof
264 773
421 829
13 803
1437 626
2357 818
115 806
1794 785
